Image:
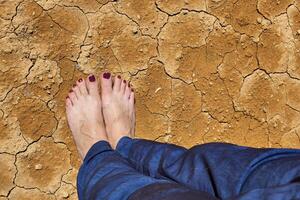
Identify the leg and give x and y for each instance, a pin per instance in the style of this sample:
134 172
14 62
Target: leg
217 168
225 170
284 192
106 175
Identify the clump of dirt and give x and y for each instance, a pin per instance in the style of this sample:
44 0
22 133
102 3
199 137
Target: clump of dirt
203 71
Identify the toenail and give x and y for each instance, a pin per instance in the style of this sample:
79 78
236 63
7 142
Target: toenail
132 90
74 85
128 84
106 75
71 91
124 81
119 77
67 97
80 80
92 78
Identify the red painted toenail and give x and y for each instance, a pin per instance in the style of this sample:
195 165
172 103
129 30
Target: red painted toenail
80 80
119 77
106 75
71 91
132 90
124 81
74 85
67 97
92 78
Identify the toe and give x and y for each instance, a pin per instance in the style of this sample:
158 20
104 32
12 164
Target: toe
123 86
73 97
127 91
92 86
82 86
76 91
117 84
133 122
106 84
68 103
132 111
131 98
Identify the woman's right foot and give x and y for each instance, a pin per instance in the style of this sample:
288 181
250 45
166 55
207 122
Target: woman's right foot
118 108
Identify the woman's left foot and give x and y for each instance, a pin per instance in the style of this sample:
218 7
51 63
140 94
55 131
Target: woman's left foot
118 108
84 113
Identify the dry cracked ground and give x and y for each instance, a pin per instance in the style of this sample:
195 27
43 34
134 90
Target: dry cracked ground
203 71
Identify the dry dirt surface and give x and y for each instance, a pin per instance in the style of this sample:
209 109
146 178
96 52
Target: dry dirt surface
203 70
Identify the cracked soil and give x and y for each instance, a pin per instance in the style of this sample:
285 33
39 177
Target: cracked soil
203 70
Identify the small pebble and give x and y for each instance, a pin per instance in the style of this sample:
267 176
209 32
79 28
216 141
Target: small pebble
157 90
259 20
185 12
65 195
51 104
38 167
106 43
255 39
135 30
265 22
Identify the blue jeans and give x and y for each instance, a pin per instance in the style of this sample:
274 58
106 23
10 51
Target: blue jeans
140 170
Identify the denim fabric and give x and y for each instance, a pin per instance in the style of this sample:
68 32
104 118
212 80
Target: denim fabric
141 169
225 171
105 175
169 191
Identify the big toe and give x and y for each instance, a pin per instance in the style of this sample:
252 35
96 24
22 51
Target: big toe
106 84
92 86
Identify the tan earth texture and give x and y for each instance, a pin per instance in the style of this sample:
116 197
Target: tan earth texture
203 71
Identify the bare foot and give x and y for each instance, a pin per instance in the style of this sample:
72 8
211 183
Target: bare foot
118 108
83 108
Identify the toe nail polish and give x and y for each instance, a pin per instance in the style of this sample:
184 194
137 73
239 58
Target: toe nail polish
80 80
74 85
67 97
119 77
106 75
132 90
124 81
92 78
71 91
128 84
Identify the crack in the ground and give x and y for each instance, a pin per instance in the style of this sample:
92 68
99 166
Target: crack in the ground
132 20
158 57
23 151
